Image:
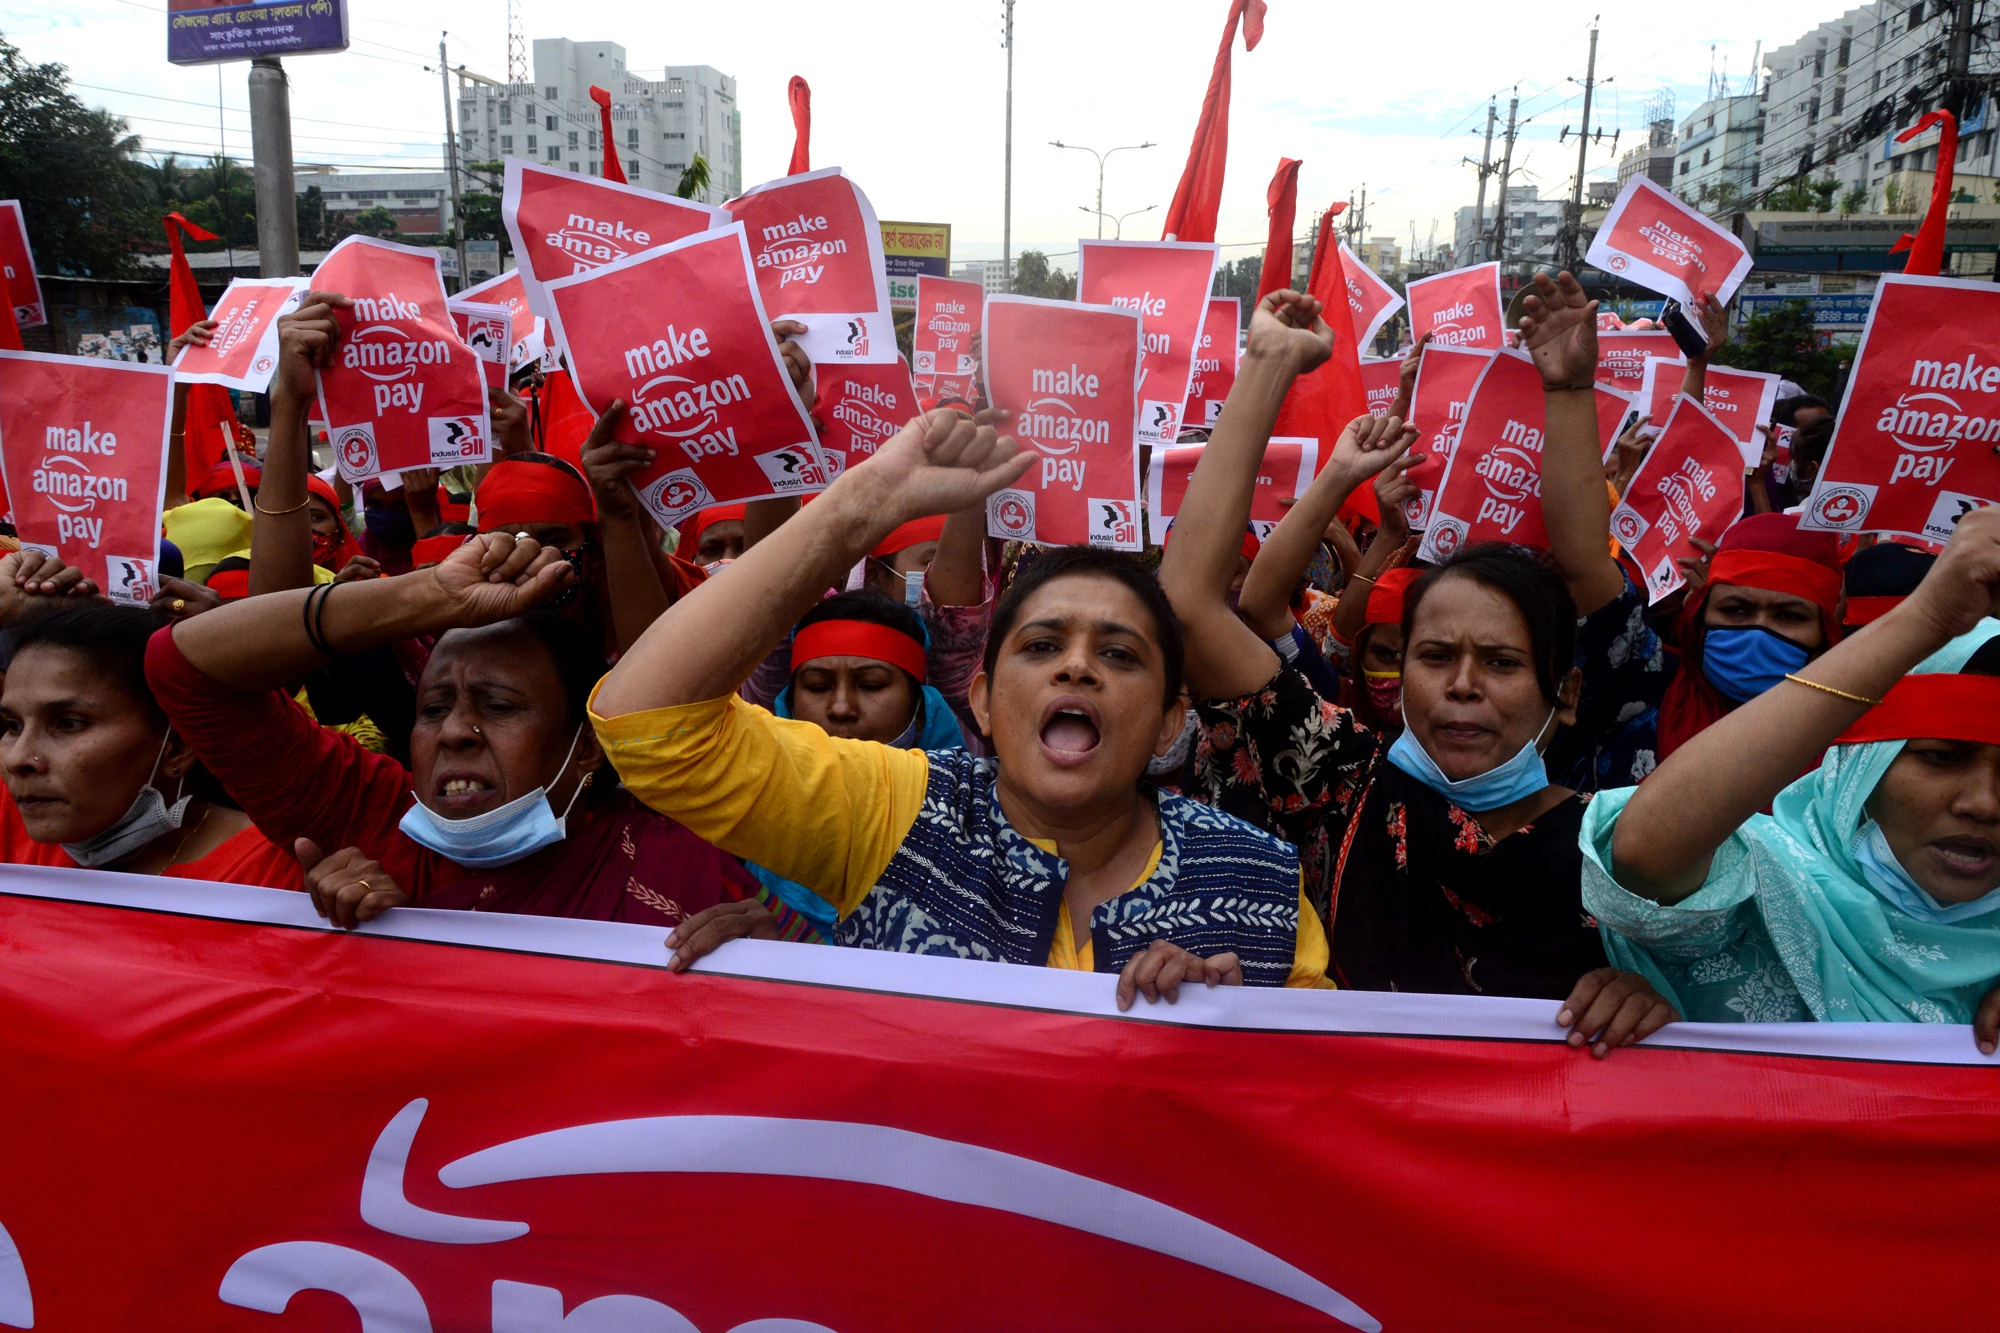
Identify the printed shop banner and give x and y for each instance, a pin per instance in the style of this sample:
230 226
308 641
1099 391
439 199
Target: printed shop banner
1622 356
817 253
947 322
1369 299
1445 378
1167 284
84 446
1381 379
1652 238
17 266
1916 446
1740 399
402 390
231 1118
1286 471
242 350
489 331
859 406
1690 485
1214 363
679 333
1461 308
1068 373
562 224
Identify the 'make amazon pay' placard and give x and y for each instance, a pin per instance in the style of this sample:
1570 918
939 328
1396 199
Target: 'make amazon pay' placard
1167 284
1690 485
817 250
242 348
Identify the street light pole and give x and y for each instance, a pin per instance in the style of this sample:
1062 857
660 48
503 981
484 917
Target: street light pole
1118 222
1122 148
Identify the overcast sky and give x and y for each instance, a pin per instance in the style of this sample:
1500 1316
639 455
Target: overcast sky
908 94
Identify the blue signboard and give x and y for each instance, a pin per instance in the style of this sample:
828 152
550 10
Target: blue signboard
199 33
1847 311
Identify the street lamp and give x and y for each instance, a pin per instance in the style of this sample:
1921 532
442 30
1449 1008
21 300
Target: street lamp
1118 222
1122 148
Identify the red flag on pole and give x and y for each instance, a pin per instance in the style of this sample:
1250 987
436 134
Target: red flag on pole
1282 201
1321 404
801 98
612 171
1927 246
208 405
1191 217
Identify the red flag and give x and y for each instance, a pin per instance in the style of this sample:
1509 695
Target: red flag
1927 246
1282 201
1191 217
1322 403
801 98
612 171
208 405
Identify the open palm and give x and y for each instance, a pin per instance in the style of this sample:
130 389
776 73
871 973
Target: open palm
1559 327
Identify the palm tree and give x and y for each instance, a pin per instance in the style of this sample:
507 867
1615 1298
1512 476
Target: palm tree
694 181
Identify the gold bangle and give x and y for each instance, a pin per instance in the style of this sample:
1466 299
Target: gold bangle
1828 689
1364 578
1567 388
254 504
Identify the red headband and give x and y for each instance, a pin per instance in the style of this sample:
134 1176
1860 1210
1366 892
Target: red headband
230 584
858 638
221 479
692 526
914 533
1385 601
1936 706
1774 572
434 550
515 492
320 486
1867 610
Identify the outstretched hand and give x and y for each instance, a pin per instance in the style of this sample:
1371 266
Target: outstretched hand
1289 325
939 463
1559 329
497 576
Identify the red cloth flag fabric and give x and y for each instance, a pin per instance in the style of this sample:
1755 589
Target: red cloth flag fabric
1461 308
1652 237
1689 485
613 172
1281 203
1168 283
1214 362
1381 380
242 350
801 98
1927 246
1198 197
948 314
211 413
858 407
1287 469
1069 375
818 259
22 288
1322 403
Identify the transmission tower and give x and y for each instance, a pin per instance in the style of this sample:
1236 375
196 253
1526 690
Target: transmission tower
517 46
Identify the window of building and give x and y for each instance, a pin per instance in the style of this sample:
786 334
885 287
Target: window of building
555 153
551 93
593 169
1910 67
531 143
1846 47
593 140
1875 82
1710 123
632 139
506 143
1839 99
1704 156
1684 168
1753 175
1812 112
573 166
572 138
506 113
1819 64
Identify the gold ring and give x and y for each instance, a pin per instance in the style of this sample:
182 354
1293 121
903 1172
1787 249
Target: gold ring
179 605
364 885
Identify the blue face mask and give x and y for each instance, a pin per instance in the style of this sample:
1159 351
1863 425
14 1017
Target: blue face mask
1885 875
1744 662
1518 778
501 836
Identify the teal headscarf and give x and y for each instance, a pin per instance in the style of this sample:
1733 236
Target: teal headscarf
1791 923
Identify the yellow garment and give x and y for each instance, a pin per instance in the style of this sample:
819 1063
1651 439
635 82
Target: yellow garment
819 810
206 532
362 729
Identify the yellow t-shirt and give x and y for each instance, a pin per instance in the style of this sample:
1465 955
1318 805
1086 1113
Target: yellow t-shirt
820 810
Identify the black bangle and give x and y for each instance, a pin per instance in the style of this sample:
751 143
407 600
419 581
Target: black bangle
315 619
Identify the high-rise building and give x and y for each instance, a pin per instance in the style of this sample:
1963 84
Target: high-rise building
1533 224
1653 159
1715 153
990 274
659 125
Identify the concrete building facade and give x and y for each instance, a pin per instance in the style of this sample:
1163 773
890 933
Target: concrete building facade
1716 163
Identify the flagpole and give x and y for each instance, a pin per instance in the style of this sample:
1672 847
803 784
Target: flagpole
1007 203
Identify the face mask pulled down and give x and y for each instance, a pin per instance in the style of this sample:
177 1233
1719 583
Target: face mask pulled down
1517 779
503 835
148 817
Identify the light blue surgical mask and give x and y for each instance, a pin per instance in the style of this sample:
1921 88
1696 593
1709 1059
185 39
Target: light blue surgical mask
1518 778
1885 875
501 836
147 818
1745 661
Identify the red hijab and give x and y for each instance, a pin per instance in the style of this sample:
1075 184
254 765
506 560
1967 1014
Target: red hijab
331 551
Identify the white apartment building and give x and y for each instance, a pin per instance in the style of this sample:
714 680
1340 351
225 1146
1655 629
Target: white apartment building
1654 158
1533 224
1716 152
659 124
990 274
420 201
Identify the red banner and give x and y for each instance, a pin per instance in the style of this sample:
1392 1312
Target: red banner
1621 356
1382 377
1926 380
402 391
1284 474
1445 378
1689 485
1459 309
859 407
680 335
84 446
242 349
1167 284
1214 362
17 266
489 331
1654 239
1369 299
947 321
1068 373
818 258
465 1121
1740 399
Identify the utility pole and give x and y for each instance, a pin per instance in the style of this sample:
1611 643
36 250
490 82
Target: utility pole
1498 250
451 162
1571 256
1961 92
1007 189
271 167
1485 170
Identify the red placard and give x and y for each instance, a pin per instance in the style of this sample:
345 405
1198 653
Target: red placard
17 266
1621 356
1652 238
563 224
947 321
1068 374
964 388
1445 378
1167 284
1781 459
1913 449
242 349
509 291
489 331
818 257
1658 387
1492 487
1214 363
1286 471
1382 377
859 407
1689 485
84 444
1461 308
1369 299
680 334
1740 399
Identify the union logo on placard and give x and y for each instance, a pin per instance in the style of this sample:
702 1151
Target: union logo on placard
262 364
1114 523
1628 526
1446 536
1841 506
1013 513
1618 263
355 446
674 496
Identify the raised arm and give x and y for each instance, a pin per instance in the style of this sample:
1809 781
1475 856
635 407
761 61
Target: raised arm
1392 487
281 531
1715 323
1707 788
638 595
957 576
1406 377
1559 328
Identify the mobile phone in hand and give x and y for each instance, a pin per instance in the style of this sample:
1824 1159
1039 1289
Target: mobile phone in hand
1688 333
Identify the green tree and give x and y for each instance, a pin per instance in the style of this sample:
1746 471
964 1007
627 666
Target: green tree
694 181
1784 342
1851 202
480 212
1034 277
222 197
74 170
1239 277
312 219
378 222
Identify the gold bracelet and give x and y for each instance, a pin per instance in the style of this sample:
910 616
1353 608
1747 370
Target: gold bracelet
1364 578
1567 388
1828 689
276 512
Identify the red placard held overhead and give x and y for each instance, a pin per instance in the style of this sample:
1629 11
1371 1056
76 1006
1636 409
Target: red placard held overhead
242 349
858 407
1437 409
1621 356
563 224
1369 299
1690 485
507 290
1461 308
1286 471
1658 386
818 256
1068 374
1742 401
947 320
1214 363
1382 377
489 331
680 334
17 266
1167 284
1913 449
1654 239
401 390
84 446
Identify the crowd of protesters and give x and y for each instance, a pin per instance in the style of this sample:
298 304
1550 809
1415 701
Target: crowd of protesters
861 722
